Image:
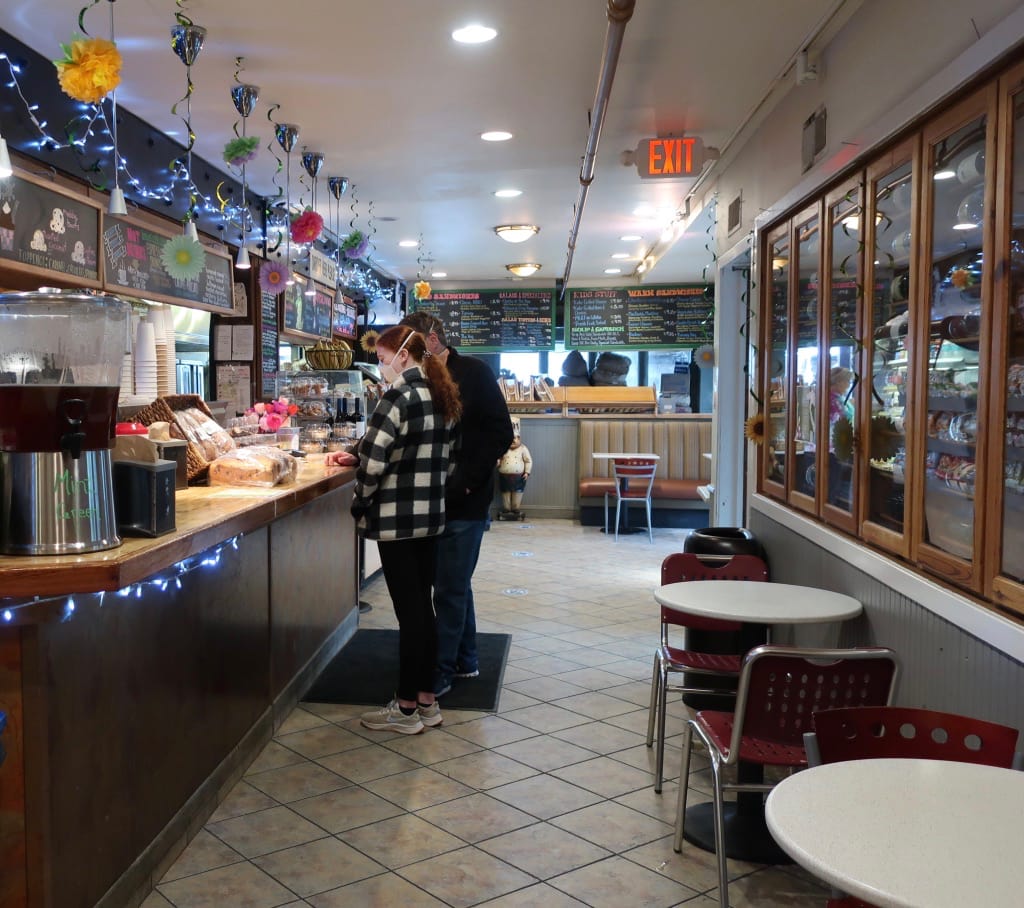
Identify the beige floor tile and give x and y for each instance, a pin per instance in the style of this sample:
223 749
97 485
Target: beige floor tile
600 737
318 866
616 882
592 678
401 840
540 896
634 721
613 826
597 705
243 798
511 699
605 776
774 888
459 716
346 809
693 867
545 753
386 891
466 877
545 689
156 900
542 664
240 885
550 645
484 769
544 796
366 763
335 712
543 850
204 852
418 788
273 756
320 741
265 831
476 817
638 692
432 747
302 780
545 717
514 674
299 720
492 731
660 806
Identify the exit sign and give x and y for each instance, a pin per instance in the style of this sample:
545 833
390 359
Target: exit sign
670 158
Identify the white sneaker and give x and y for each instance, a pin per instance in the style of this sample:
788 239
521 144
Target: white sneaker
430 715
391 718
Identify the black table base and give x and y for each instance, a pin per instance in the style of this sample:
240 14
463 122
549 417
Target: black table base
746 835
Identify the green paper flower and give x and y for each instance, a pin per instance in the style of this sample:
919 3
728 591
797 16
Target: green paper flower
241 150
183 258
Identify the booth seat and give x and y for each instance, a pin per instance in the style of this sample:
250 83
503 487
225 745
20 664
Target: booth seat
679 442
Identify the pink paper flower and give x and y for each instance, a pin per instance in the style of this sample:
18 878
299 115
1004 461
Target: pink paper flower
307 227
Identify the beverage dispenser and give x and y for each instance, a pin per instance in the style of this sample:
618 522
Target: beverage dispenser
60 374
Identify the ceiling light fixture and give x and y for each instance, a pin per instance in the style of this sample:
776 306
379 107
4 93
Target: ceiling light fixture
408 244
496 135
439 274
945 174
242 260
508 193
620 255
613 271
516 233
474 34
523 269
630 238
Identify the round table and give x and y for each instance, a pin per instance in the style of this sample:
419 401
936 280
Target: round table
746 836
906 833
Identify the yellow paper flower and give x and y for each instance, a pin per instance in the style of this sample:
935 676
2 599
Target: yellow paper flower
961 278
90 70
754 428
842 439
421 290
369 341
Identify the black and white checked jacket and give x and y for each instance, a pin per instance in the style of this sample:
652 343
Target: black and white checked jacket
403 464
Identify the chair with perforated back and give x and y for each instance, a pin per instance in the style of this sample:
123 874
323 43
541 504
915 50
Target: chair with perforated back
714 667
634 479
873 732
780 689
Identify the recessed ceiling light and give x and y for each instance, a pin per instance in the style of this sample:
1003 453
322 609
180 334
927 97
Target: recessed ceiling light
508 193
944 174
439 274
474 34
496 135
620 255
408 244
516 233
613 271
630 238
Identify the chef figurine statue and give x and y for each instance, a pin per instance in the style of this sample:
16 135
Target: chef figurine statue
513 471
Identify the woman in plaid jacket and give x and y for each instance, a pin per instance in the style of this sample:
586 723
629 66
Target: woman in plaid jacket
399 501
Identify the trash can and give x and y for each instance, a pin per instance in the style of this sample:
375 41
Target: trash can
721 541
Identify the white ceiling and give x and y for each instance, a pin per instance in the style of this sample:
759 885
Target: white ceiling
394 104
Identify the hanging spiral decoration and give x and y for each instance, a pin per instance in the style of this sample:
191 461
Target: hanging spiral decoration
187 40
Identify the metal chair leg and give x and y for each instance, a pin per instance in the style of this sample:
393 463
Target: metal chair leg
650 529
719 813
606 513
654 700
684 784
659 759
618 504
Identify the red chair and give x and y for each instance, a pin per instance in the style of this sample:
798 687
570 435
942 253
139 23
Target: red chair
676 568
780 689
634 480
874 732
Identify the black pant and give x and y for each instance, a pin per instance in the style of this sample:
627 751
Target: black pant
408 566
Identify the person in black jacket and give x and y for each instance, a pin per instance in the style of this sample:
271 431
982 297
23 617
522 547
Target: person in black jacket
486 433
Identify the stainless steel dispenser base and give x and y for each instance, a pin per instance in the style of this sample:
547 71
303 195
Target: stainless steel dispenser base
52 504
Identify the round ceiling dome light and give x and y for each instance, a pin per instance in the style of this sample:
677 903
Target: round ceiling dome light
516 233
523 269
496 135
474 34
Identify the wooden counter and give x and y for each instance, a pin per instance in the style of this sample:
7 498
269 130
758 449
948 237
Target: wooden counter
132 715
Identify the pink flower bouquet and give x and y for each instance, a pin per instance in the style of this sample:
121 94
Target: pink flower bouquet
274 414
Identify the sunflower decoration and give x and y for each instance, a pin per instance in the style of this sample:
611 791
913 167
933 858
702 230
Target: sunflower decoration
754 428
421 291
183 258
885 438
273 277
241 150
90 70
842 439
369 341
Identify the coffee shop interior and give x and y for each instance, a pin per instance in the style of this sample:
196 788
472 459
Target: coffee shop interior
750 279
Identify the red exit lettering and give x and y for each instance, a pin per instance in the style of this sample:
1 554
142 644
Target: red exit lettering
672 157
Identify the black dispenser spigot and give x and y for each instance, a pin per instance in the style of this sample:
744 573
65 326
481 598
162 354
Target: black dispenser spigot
72 440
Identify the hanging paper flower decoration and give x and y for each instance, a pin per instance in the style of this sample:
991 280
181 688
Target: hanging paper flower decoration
754 428
90 70
961 278
273 277
183 258
355 245
241 150
307 227
369 341
421 290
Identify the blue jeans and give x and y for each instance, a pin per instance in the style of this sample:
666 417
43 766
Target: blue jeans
458 549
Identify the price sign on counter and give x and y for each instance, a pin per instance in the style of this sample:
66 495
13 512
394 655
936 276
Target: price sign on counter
639 317
486 321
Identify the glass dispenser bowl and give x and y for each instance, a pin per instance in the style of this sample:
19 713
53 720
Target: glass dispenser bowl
60 373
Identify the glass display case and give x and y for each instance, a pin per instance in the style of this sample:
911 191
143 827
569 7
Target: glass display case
775 388
333 406
806 445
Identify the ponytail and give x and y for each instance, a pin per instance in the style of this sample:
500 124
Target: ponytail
443 390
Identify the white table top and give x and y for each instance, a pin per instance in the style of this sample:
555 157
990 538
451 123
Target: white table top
758 603
608 455
906 833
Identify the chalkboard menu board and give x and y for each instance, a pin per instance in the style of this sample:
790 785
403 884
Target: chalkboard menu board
131 263
48 231
322 307
306 315
344 320
268 342
639 317
494 320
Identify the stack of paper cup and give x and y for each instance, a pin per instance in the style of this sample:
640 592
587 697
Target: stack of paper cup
145 361
164 366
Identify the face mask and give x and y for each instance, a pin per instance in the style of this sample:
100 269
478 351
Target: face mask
388 371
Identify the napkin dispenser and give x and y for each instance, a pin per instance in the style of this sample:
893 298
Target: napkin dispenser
144 497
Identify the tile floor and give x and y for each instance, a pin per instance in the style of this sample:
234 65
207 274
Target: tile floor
548 802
